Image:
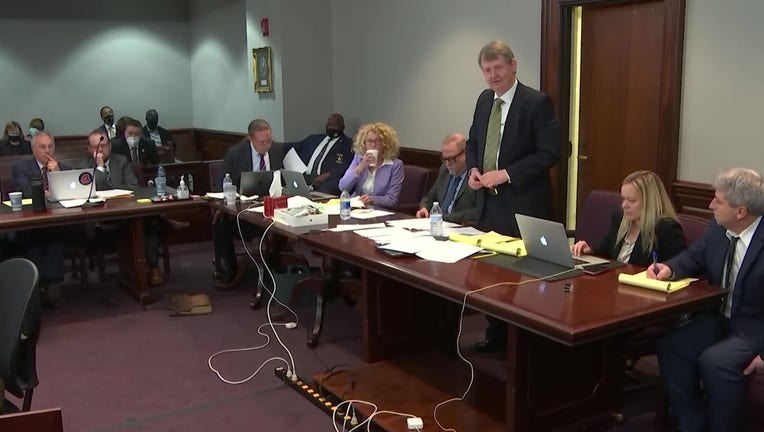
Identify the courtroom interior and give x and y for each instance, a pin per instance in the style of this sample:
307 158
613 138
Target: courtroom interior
329 215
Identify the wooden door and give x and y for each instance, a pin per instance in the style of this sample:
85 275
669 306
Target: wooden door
620 93
630 89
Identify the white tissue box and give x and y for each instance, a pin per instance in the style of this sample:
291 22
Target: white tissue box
295 218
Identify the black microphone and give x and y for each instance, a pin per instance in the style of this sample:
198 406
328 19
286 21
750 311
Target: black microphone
92 175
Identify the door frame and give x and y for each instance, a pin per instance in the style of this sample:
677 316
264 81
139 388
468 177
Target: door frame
555 81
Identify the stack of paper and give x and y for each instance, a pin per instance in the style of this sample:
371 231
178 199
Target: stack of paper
114 193
641 280
493 241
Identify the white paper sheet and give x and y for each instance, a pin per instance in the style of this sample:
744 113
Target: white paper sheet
418 224
292 162
447 252
368 213
356 227
114 193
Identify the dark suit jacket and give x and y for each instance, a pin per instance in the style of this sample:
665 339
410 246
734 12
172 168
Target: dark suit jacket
164 135
669 237
238 159
336 161
530 146
147 151
23 171
120 171
24 147
707 256
464 202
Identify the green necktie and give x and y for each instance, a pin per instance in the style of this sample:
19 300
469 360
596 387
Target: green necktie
490 162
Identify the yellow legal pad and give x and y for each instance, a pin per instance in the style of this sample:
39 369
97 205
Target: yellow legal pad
641 280
493 241
25 201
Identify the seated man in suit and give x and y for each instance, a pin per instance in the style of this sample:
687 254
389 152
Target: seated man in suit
46 246
255 153
113 171
135 147
156 133
450 189
719 349
327 156
108 126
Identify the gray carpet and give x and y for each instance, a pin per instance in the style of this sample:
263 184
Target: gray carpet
112 366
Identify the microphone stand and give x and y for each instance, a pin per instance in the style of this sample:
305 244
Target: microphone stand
88 203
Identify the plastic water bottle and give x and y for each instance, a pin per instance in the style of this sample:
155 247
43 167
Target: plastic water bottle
161 182
229 190
436 221
345 205
182 191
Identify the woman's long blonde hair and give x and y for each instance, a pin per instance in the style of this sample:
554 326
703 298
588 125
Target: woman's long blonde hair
391 147
656 205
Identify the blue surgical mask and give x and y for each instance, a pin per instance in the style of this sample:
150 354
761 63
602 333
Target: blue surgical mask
33 131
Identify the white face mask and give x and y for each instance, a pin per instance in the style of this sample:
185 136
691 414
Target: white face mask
33 131
133 141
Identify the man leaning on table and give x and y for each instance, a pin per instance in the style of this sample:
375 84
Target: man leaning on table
256 152
450 189
45 247
719 347
113 171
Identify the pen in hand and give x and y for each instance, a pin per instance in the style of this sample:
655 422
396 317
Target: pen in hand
655 264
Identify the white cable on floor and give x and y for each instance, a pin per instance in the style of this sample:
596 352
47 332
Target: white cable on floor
459 334
267 341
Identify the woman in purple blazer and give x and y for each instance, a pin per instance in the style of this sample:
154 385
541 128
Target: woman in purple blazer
375 174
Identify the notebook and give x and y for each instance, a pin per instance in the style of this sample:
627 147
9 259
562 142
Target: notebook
69 185
548 249
294 184
256 183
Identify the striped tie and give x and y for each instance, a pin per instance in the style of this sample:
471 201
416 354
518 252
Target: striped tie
44 175
490 162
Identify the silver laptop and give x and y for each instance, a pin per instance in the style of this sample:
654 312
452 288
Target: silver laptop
546 240
294 184
69 185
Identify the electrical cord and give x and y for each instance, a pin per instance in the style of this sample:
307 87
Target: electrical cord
254 348
459 335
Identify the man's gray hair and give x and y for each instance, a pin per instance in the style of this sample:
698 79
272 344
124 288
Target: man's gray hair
742 187
40 134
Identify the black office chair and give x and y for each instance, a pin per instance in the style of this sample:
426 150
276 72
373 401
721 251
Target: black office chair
19 330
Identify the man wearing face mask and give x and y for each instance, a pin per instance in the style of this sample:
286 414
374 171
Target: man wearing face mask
327 156
134 146
35 125
13 142
156 133
107 116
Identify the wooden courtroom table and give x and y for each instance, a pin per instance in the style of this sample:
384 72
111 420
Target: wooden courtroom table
564 364
131 245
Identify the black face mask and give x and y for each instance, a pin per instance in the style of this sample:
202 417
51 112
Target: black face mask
333 133
152 124
109 119
14 139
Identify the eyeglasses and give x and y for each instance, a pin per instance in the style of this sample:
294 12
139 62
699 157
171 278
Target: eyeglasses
373 141
451 159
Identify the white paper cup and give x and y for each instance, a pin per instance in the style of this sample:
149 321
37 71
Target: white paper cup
15 200
375 153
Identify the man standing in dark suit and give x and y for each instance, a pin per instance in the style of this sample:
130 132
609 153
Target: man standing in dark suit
255 153
719 349
46 246
456 199
134 145
327 156
513 142
108 126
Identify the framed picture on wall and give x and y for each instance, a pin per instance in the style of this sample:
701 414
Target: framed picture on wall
263 69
